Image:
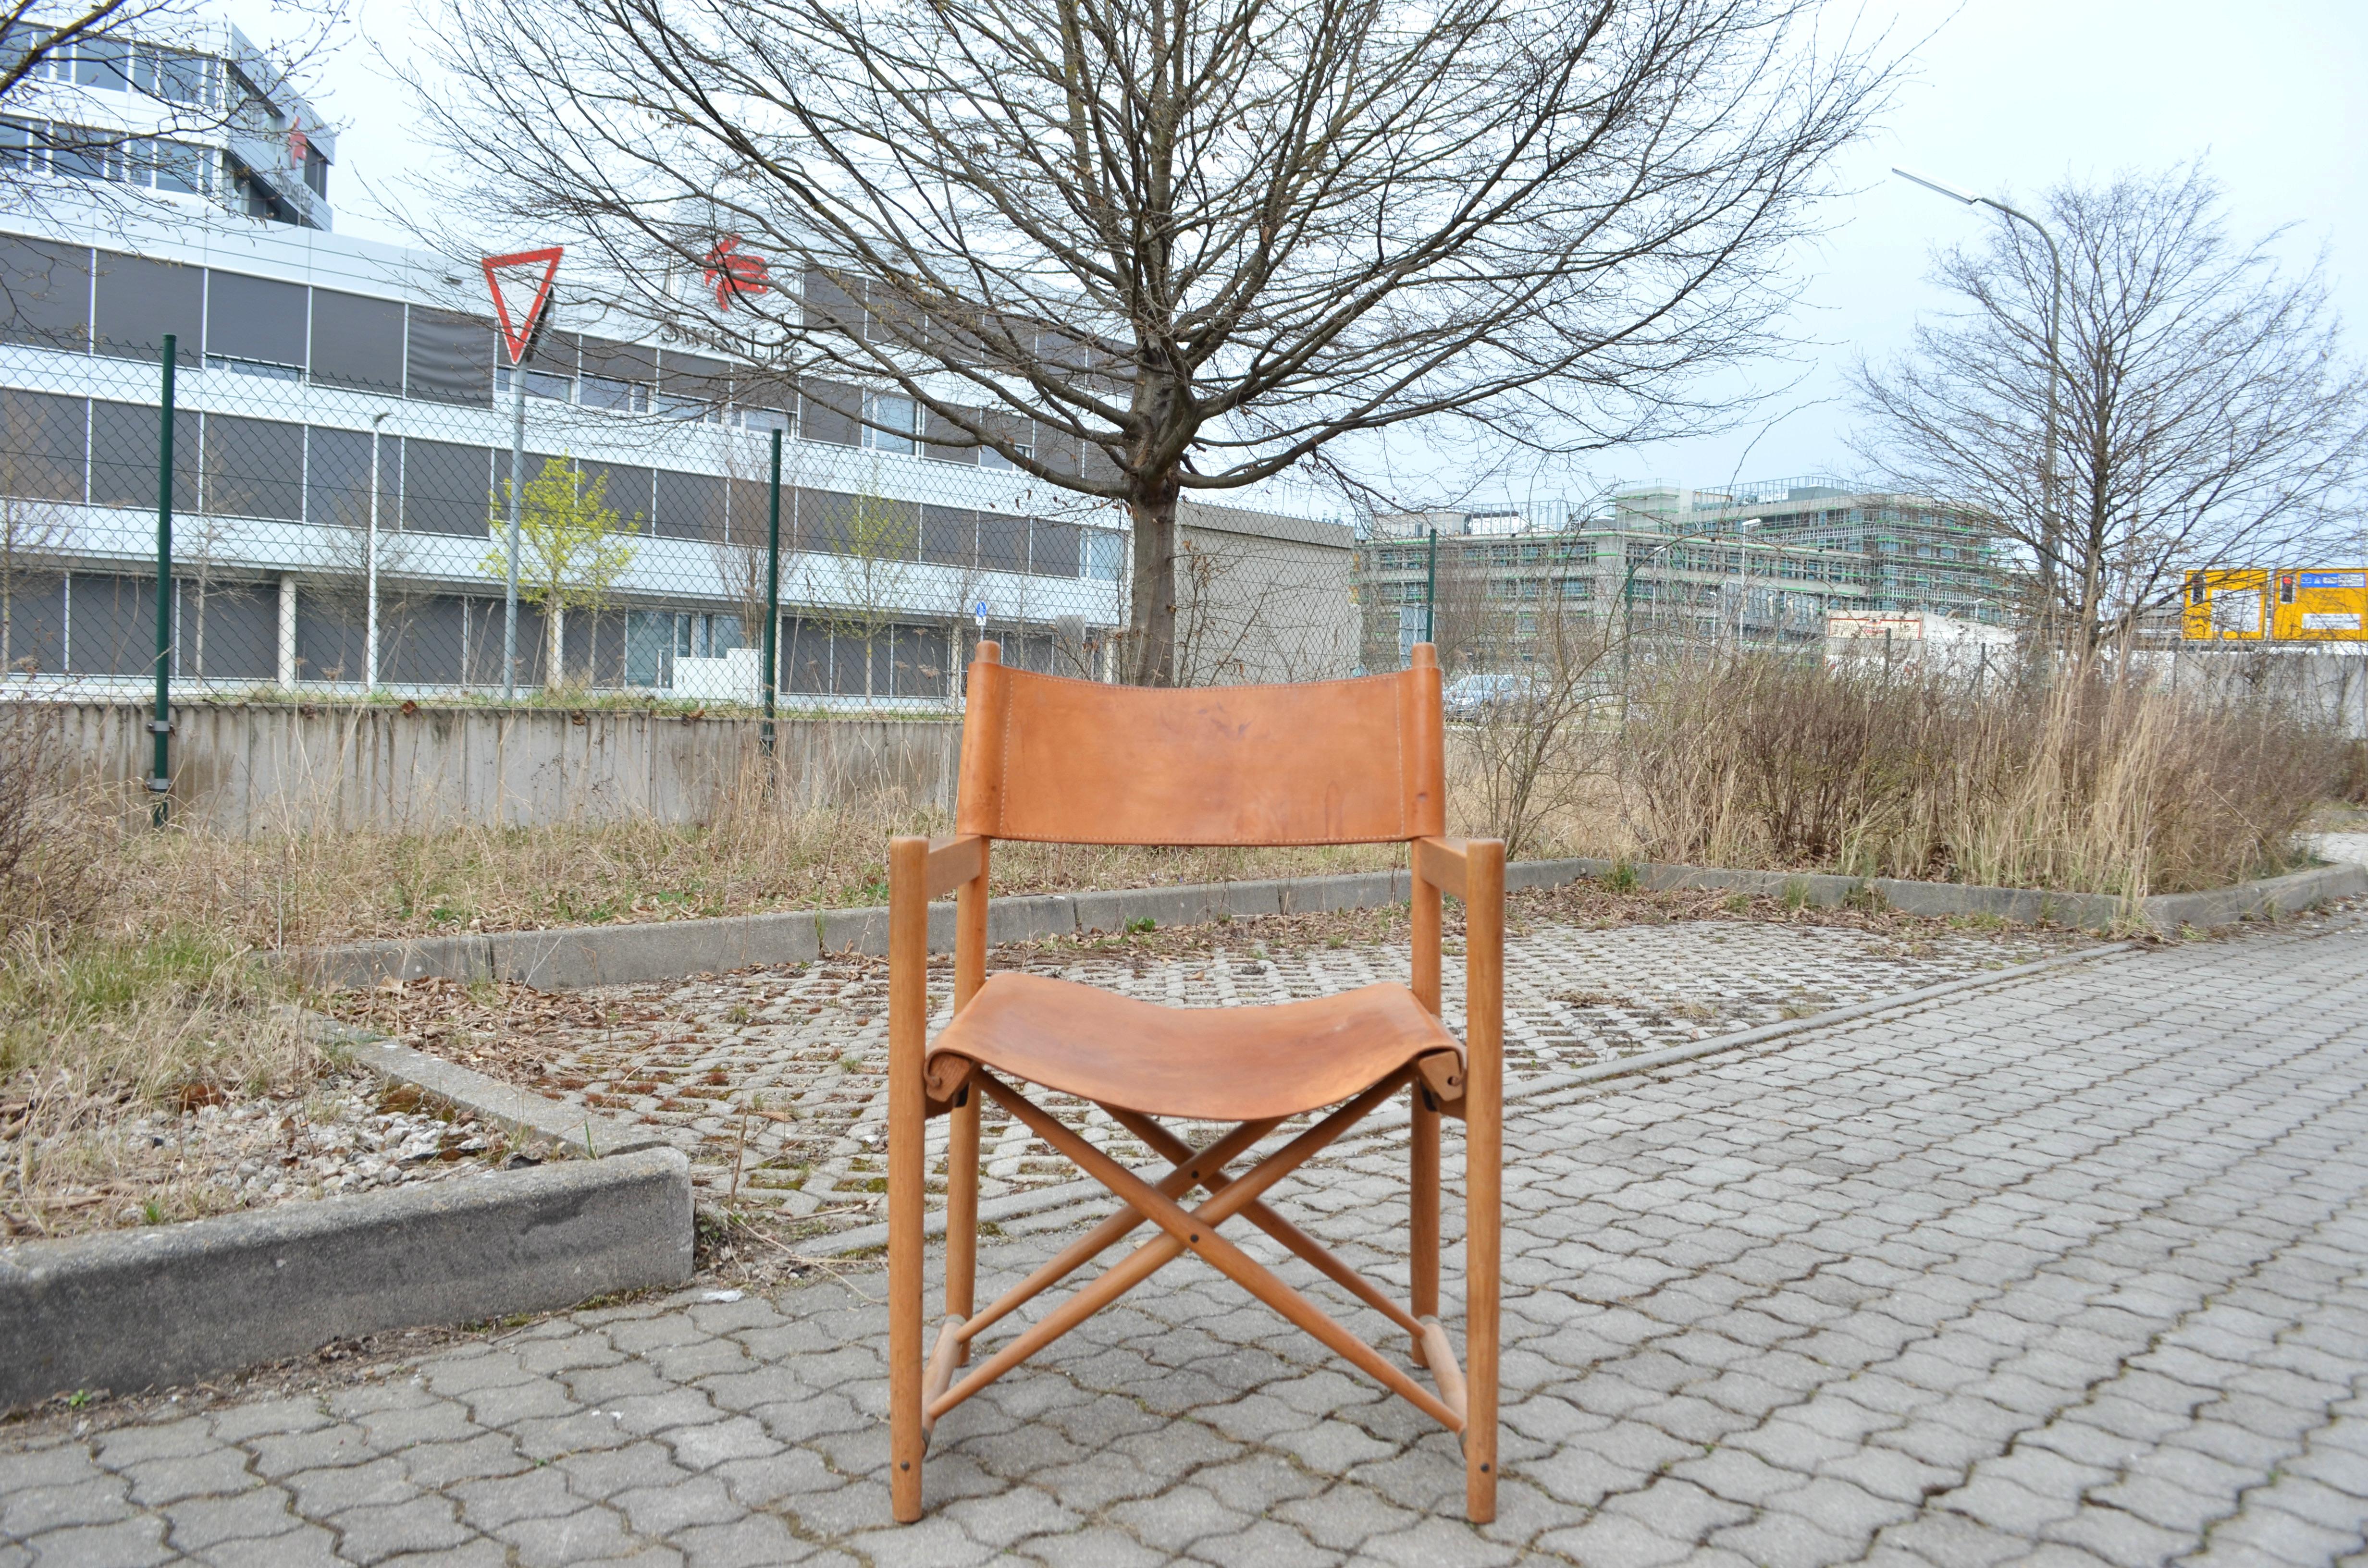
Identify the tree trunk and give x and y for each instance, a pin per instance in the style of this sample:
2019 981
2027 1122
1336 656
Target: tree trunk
1151 619
554 626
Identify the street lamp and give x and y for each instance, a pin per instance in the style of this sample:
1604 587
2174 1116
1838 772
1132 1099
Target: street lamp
2050 543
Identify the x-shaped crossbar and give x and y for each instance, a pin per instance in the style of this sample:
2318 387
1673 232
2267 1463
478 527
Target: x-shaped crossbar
1193 1231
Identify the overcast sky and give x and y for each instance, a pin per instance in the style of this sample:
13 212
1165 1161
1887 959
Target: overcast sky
2003 98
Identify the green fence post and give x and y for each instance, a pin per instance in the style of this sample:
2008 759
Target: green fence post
160 727
773 594
1431 594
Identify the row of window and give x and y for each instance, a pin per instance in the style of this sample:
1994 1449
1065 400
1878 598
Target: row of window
97 623
74 450
1416 558
115 65
76 151
76 299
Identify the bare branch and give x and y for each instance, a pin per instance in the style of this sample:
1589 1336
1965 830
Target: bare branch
2208 415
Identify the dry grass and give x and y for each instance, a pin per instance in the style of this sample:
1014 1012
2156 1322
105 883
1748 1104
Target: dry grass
97 1026
126 973
2087 785
285 889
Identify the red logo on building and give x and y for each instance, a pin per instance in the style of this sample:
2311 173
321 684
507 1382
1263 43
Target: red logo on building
731 270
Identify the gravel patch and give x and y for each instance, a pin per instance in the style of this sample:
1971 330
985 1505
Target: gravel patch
216 1154
772 1080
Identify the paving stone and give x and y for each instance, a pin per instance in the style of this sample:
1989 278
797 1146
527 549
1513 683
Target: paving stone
215 1474
1094 1547
306 1546
376 1532
1943 1285
200 1522
591 1534
755 1541
126 1543
37 1509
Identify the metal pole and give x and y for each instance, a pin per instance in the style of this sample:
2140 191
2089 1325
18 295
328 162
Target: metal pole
369 616
773 594
160 779
2049 533
2051 530
1430 595
509 594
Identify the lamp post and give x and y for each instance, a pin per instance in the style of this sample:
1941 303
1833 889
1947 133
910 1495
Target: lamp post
2050 541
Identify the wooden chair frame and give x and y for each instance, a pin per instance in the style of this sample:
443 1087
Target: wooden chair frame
922 1384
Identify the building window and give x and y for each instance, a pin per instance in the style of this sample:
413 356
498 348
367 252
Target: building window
103 63
175 75
176 166
889 422
254 468
78 152
18 41
357 342
601 392
1013 432
545 384
256 324
1105 555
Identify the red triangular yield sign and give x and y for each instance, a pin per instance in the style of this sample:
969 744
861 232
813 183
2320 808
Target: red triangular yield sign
539 267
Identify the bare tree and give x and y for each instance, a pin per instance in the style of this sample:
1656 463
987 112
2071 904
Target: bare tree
1474 621
1143 251
2208 415
860 595
1526 743
1248 610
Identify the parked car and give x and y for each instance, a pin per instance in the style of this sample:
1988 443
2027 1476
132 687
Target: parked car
1470 698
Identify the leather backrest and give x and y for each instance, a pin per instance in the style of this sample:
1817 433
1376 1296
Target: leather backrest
1357 761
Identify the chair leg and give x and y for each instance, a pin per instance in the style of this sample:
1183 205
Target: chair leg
961 1215
1422 1181
908 1020
907 1439
1483 1190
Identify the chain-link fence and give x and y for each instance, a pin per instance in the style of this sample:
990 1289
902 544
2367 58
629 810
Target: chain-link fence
342 517
343 523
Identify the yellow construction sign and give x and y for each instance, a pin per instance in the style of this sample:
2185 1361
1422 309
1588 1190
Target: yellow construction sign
2254 604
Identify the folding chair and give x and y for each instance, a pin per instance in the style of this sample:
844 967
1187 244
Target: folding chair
1071 761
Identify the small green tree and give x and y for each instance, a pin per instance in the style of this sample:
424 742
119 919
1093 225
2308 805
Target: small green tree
569 554
873 544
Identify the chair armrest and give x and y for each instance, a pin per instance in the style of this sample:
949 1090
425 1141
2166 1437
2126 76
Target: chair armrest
1473 871
1446 863
951 862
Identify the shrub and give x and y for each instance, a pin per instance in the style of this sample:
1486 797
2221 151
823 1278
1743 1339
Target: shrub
2092 782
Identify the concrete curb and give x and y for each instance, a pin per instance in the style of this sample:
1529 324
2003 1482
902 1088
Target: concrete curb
1019 1205
130 1310
582 1134
577 1133
630 954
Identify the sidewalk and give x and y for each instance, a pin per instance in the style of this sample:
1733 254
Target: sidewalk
2068 1269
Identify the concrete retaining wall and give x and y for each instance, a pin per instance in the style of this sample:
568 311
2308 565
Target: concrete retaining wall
630 954
304 768
134 1309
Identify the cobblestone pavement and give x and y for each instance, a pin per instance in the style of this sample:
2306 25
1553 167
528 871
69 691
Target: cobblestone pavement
2065 1269
809 1044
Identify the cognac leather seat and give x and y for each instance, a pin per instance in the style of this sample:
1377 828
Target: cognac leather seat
1203 1064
